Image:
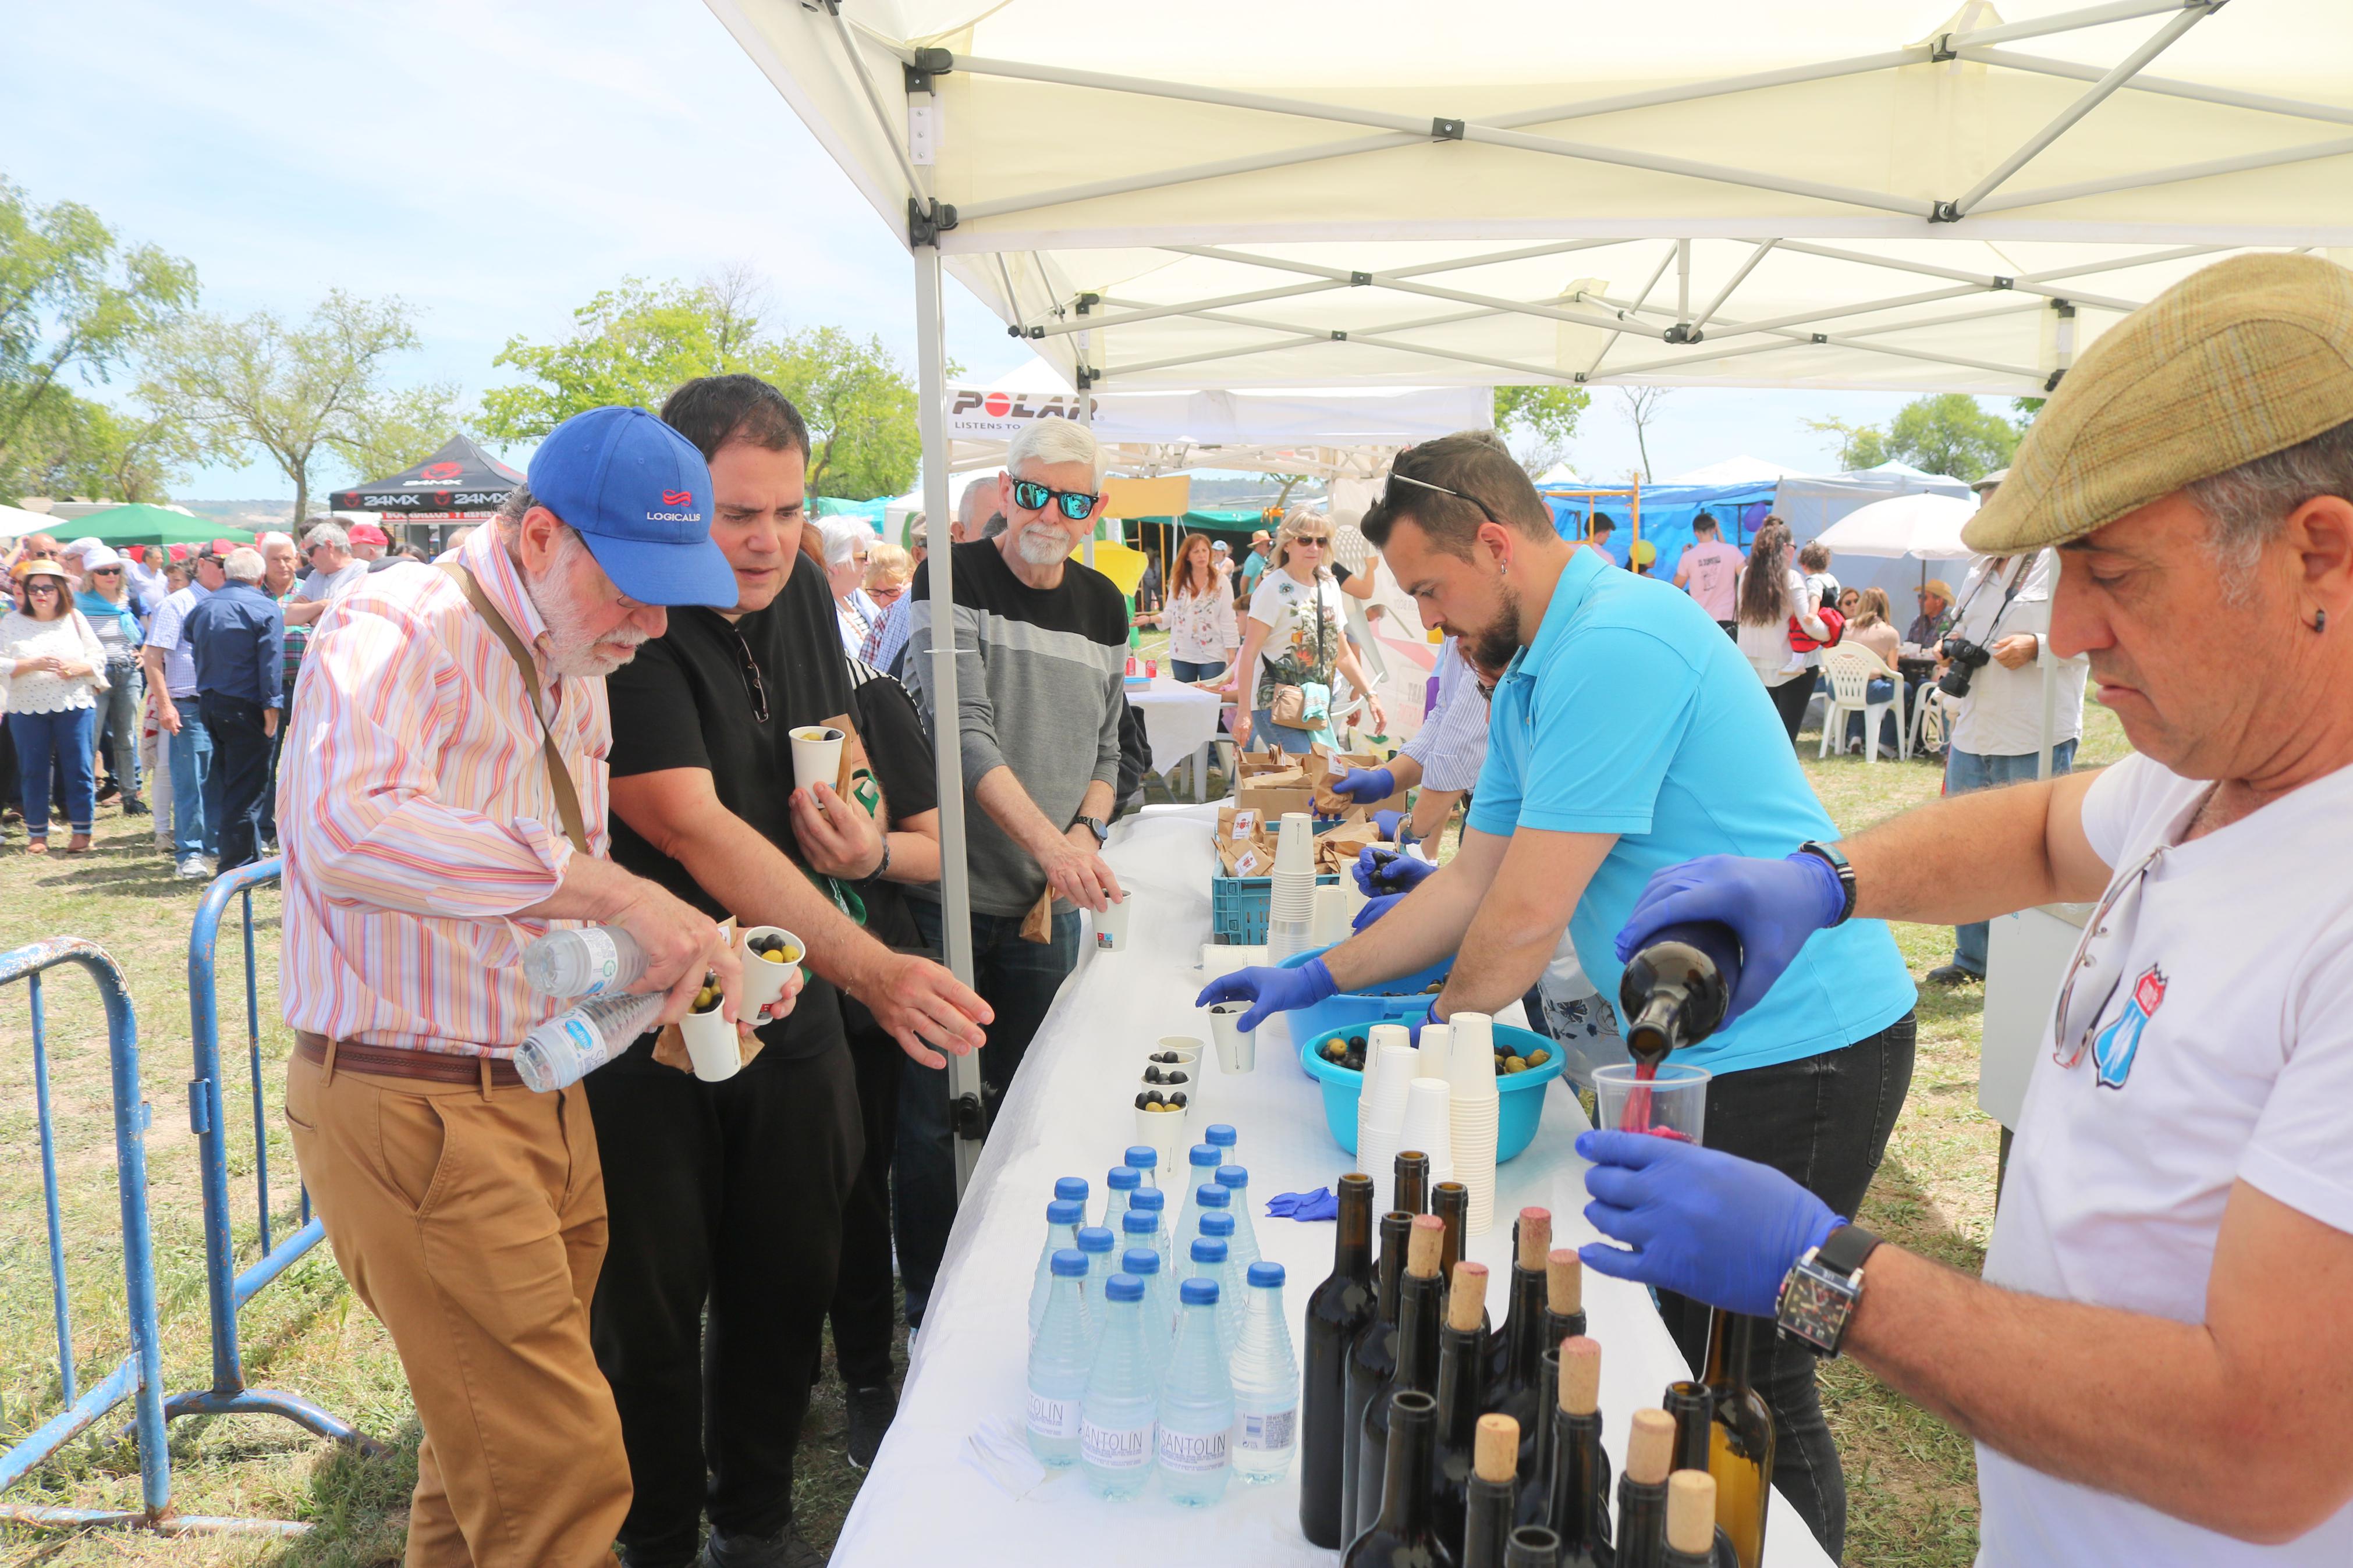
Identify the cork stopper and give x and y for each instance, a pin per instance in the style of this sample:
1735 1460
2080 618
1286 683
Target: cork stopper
1536 1238
1580 1376
1467 1302
1421 1249
1564 1281
1691 1511
1495 1451
1650 1446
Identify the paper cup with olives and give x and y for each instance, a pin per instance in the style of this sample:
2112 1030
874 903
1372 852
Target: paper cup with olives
770 954
711 1043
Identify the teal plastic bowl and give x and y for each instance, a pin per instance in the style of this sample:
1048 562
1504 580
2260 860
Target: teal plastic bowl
1396 1001
1520 1108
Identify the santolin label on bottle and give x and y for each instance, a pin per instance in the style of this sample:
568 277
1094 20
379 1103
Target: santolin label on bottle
1194 1453
1271 1432
1115 1448
1053 1417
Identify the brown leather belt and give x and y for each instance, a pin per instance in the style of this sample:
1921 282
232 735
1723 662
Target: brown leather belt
392 1061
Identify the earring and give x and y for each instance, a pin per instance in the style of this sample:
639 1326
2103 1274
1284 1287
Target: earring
2319 620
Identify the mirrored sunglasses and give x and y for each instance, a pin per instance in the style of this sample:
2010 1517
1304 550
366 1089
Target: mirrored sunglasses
1031 495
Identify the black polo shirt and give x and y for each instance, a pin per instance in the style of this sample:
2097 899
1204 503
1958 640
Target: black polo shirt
686 702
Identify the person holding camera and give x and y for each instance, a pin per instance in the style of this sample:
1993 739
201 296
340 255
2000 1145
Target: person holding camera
1991 666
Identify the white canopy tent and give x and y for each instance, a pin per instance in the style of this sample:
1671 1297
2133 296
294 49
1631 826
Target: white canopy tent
1850 194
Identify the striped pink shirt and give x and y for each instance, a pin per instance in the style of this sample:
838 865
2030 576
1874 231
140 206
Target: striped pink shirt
416 812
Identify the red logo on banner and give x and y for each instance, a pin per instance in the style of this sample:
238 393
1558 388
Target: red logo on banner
436 472
677 498
997 405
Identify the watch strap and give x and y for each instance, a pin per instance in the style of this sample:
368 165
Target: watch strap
1829 854
1845 1249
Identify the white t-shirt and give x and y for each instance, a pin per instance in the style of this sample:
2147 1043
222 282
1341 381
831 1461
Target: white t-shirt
333 585
1767 648
1292 609
2225 1054
2002 716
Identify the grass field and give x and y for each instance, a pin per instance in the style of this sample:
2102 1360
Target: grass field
1910 1479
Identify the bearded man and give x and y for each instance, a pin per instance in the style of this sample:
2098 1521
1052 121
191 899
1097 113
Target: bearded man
441 803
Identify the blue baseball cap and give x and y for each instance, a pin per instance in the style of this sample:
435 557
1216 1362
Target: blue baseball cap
639 494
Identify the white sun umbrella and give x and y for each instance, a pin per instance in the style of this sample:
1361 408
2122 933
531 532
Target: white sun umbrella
1923 526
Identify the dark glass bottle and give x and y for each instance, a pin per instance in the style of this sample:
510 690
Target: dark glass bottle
1740 1447
1642 1490
1536 1450
1564 1295
1487 1518
1523 1305
1461 1382
1532 1546
1372 1360
1337 1311
1411 1185
1694 1409
1417 1360
1676 991
1400 1535
1576 1494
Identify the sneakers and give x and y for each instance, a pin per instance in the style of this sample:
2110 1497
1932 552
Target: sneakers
870 1410
785 1549
134 806
192 869
1950 974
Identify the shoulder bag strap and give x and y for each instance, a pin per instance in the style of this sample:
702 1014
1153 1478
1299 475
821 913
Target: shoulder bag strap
568 799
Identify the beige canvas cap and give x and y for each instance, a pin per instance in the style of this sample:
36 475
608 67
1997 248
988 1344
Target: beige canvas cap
2238 361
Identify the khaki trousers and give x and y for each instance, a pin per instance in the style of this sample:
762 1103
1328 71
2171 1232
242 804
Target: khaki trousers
472 1222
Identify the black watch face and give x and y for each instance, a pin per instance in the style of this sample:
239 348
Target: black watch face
1815 1308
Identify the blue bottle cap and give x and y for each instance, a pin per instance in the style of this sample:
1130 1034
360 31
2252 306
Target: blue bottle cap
1143 1156
1197 1293
1266 1273
1210 1195
1140 1260
1095 1238
1139 1222
1207 1154
1124 1287
1233 1177
1221 1134
1066 1211
1070 1187
1069 1263
1124 1179
1151 1200
1217 1225
1208 1249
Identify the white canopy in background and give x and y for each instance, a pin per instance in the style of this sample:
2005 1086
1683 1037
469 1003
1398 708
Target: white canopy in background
1879 193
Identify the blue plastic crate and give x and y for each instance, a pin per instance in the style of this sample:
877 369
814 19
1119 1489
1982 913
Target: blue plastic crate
1239 905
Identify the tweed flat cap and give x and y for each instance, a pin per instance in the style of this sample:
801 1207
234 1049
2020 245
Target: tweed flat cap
2238 361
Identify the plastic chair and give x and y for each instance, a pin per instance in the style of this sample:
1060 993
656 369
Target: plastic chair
1851 670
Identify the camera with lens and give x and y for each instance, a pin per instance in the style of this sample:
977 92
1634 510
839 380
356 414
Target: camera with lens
1964 659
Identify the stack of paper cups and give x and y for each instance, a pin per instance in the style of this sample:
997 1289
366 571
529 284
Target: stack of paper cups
1429 1126
1436 1057
1294 844
1332 914
1380 1112
1473 1111
1291 901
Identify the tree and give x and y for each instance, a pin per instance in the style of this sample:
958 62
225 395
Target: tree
73 447
1641 409
1545 415
299 393
1951 434
861 409
1860 445
74 302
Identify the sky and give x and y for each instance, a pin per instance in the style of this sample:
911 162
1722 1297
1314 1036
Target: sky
495 165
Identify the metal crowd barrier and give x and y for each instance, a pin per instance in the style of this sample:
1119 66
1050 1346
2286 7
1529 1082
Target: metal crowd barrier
209 1119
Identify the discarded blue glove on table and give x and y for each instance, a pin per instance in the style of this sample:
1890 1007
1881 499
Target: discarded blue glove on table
1382 870
1772 905
1274 990
1697 1221
1304 1207
1366 785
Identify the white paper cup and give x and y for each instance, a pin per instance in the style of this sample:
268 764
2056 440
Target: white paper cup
1388 1078
1219 960
1332 912
1110 927
710 1046
817 755
1434 1058
763 981
1295 845
1427 1124
1236 1051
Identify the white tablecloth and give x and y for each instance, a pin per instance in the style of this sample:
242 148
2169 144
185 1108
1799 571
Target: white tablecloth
1179 719
1069 1114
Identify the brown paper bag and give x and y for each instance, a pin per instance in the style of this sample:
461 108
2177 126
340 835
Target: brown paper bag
1037 925
669 1046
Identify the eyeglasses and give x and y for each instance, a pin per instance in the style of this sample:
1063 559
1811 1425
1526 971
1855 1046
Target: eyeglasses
1031 495
752 685
1441 489
40 588
2083 999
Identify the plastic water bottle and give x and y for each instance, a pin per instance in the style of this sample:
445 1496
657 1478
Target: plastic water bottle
1145 1159
1119 1184
1196 1404
1201 1165
594 960
1221 1136
1208 1198
1097 1245
1154 1202
1058 1366
1116 1418
567 1048
1220 1228
1236 1181
1159 1306
1063 1218
1070 1187
1212 1261
1265 1375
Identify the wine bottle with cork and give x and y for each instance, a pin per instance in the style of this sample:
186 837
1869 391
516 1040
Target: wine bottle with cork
1576 1494
1372 1362
1417 1360
1515 1352
1740 1440
1564 1295
1642 1490
1461 1382
1494 1478
1693 1539
1400 1533
1337 1311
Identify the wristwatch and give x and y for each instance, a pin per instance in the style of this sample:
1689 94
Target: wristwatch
1829 854
1096 825
879 872
1819 1294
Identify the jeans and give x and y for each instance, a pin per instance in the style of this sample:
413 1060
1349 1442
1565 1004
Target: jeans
1187 670
118 709
1880 689
241 776
1018 980
195 811
1265 731
67 737
1822 1121
1966 773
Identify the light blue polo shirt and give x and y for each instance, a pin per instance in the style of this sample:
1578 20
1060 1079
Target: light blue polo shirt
1632 713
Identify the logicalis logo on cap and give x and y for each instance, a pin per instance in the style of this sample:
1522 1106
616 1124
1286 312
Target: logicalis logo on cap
678 498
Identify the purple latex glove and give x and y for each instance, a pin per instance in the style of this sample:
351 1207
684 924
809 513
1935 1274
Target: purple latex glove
1384 870
1274 990
1698 1221
1773 905
1376 910
1390 822
1366 785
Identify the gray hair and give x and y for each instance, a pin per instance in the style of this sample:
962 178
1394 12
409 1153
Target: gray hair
1048 441
275 536
243 565
2249 505
328 533
510 515
841 535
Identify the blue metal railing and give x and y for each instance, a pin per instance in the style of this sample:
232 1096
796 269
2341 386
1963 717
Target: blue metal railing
207 1118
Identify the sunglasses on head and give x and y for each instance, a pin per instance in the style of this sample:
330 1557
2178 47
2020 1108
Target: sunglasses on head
1031 495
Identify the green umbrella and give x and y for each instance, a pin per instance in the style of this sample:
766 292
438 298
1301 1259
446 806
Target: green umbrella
140 523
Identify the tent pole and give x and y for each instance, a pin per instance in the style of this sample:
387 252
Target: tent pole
967 1110
1087 419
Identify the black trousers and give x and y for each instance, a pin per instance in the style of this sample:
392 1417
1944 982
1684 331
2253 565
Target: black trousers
724 1197
241 766
864 1313
1789 700
1822 1122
